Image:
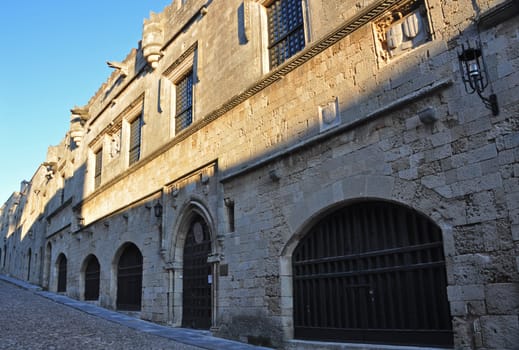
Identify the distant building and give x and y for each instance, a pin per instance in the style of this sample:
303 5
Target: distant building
293 171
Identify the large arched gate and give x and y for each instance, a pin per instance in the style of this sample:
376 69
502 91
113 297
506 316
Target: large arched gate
372 272
197 276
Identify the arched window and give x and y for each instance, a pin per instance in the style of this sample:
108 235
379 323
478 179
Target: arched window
197 277
372 272
129 279
62 273
92 273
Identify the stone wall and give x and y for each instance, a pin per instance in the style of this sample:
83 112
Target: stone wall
271 152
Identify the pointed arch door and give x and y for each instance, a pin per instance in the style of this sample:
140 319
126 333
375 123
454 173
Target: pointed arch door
129 279
197 276
372 272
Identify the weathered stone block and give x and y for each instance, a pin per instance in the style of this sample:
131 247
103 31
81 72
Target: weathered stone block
500 332
466 293
502 298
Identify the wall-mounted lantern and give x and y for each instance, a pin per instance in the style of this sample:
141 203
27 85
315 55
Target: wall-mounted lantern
157 209
475 75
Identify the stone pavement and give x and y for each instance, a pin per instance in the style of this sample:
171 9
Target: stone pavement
28 321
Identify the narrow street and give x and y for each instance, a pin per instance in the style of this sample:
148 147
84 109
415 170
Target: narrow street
33 319
29 321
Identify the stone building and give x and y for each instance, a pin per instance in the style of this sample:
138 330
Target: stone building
290 172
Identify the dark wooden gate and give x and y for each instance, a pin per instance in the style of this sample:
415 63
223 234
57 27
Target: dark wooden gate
92 273
197 278
62 273
372 272
129 279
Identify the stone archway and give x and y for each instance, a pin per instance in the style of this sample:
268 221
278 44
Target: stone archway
194 265
29 257
197 276
47 265
129 278
61 265
371 271
91 272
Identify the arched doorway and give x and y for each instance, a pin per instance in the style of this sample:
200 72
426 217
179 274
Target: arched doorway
129 279
92 274
197 276
29 255
62 273
372 272
47 265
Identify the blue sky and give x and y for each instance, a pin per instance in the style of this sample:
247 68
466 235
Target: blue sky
53 56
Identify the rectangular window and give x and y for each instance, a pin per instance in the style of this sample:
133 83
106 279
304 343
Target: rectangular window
135 140
184 102
98 168
286 30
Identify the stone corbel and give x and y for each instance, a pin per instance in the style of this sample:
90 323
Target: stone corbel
152 40
214 258
77 121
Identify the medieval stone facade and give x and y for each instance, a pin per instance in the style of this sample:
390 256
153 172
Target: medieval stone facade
289 172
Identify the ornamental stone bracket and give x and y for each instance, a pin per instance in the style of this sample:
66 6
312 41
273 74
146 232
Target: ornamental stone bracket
77 120
152 39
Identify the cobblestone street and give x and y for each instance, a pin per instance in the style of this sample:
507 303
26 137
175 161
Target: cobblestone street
29 321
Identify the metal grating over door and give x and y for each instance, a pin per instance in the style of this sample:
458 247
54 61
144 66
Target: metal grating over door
197 278
286 30
92 273
372 272
62 273
129 279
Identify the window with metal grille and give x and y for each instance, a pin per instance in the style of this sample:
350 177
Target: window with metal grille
184 102
98 168
372 272
286 30
135 140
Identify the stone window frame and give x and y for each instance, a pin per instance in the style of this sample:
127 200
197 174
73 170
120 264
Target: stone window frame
184 65
94 149
256 16
381 25
98 167
122 124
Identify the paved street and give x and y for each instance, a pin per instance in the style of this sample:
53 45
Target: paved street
33 319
